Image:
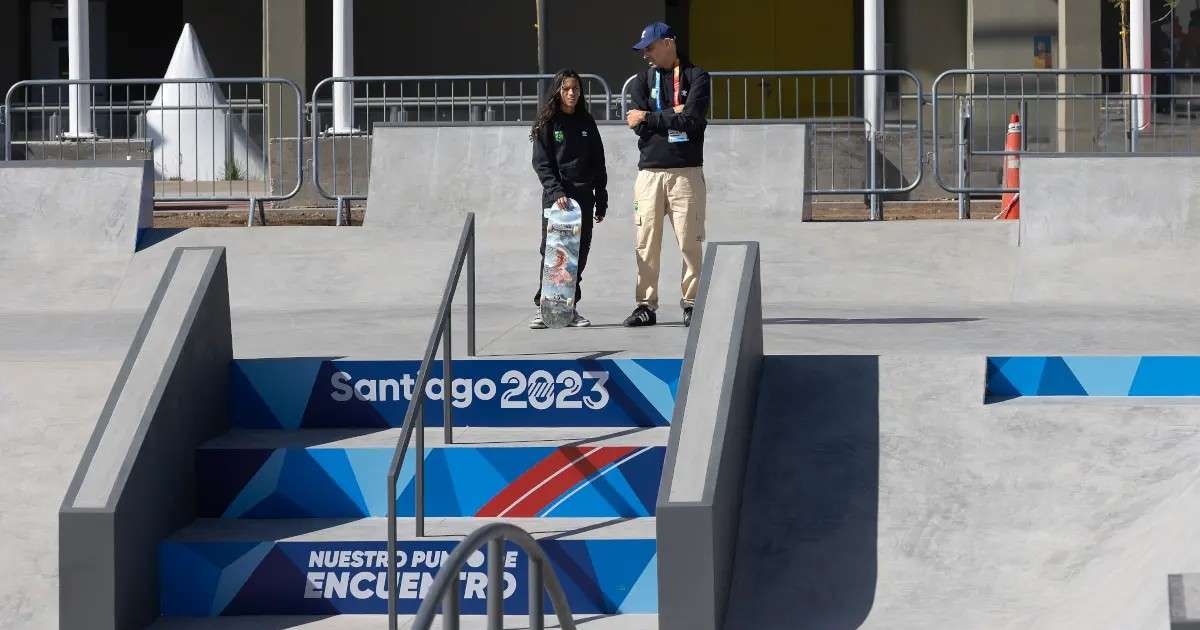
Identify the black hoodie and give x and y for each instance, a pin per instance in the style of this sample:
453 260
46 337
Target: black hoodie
657 151
568 157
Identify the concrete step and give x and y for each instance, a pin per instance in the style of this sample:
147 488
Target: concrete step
1118 376
500 472
291 393
375 622
221 567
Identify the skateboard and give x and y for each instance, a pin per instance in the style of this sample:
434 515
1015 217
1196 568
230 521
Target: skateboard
560 263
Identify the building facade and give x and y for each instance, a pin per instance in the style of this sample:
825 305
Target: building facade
293 38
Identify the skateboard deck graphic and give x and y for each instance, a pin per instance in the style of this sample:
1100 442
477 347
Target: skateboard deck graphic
560 264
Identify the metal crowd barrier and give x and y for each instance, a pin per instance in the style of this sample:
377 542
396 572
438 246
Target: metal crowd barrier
1061 112
210 139
345 145
843 134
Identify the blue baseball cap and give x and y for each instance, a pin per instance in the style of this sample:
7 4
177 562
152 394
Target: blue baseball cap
653 33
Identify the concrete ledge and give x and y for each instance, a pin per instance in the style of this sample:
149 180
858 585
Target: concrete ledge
1127 199
437 173
50 207
1183 599
136 481
700 497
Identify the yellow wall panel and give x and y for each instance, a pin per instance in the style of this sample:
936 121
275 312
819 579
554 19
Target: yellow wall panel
775 35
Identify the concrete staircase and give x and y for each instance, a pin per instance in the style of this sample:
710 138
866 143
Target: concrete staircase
293 499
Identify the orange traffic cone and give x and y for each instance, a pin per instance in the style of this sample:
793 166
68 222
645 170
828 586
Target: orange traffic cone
1010 203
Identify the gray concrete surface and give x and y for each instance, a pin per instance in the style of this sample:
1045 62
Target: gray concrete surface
1109 199
464 437
958 289
882 494
336 529
133 485
930 299
432 174
700 495
50 208
371 622
1183 596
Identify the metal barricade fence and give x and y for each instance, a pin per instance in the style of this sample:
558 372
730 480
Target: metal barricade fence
843 135
1061 112
209 139
341 140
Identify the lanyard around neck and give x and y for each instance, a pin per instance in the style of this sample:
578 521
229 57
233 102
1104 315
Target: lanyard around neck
675 75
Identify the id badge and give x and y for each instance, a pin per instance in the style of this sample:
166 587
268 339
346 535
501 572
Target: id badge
677 136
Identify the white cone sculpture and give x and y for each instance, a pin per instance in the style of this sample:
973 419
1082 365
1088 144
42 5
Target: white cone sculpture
195 137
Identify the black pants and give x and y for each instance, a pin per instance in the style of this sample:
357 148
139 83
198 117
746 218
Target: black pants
587 204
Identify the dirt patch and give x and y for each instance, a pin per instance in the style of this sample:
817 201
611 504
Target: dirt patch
236 217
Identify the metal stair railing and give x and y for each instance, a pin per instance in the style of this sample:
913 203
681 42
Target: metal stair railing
414 417
444 590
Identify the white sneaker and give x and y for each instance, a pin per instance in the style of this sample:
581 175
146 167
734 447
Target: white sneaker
536 323
579 321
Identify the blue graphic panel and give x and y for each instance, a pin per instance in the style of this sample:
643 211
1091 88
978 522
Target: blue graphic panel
602 576
1173 376
459 481
304 392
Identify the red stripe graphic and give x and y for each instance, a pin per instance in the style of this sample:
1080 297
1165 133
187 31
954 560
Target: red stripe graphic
548 479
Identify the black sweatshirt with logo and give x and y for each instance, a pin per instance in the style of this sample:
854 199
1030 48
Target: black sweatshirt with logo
568 157
657 151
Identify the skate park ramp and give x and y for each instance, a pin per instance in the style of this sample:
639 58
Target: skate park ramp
884 491
874 453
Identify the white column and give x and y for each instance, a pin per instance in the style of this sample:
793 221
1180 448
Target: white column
873 60
873 87
79 68
1139 58
343 66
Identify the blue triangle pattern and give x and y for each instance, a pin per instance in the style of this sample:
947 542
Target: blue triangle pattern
1104 375
643 595
1057 380
188 577
574 565
311 486
334 463
1167 376
1021 375
484 482
370 473
618 570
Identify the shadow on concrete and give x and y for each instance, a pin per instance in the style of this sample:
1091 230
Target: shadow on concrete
153 236
887 320
588 528
660 324
806 555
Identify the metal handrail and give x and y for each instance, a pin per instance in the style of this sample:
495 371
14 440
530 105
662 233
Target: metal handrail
444 589
414 417
315 105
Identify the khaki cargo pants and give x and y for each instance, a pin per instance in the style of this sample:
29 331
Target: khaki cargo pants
676 195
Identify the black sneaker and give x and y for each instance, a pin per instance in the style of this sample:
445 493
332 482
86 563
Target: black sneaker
687 316
641 316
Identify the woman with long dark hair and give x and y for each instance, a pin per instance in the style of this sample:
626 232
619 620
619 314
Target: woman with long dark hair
568 158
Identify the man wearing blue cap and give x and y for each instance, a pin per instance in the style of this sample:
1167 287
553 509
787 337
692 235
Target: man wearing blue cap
669 104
